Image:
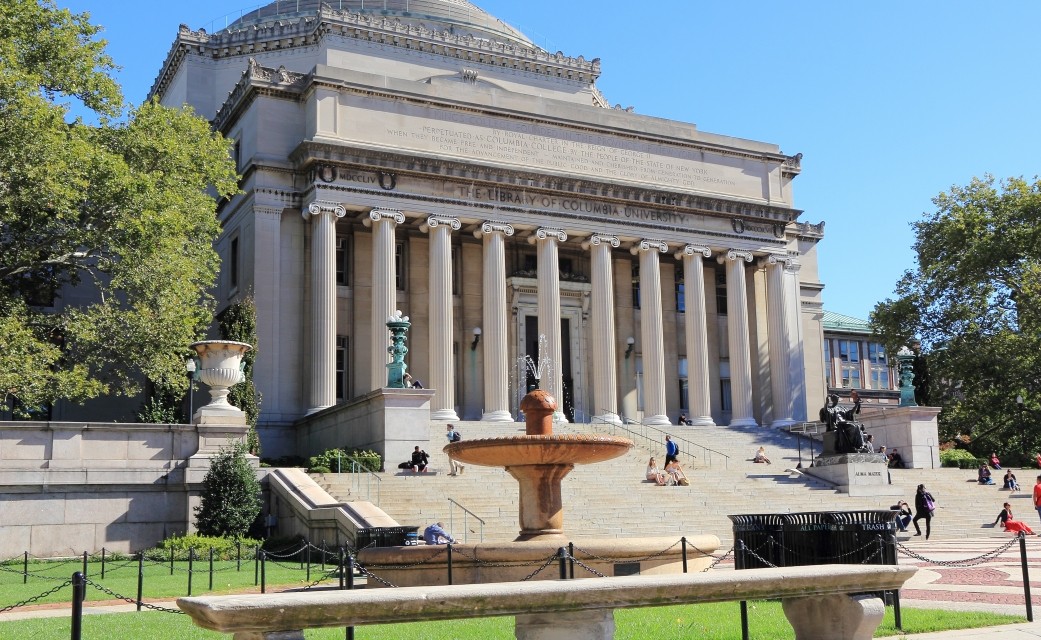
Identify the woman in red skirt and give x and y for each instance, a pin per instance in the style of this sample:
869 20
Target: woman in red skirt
1012 526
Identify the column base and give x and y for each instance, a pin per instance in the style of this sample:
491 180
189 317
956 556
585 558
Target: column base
497 416
609 418
443 415
702 421
317 409
782 423
743 422
658 420
595 624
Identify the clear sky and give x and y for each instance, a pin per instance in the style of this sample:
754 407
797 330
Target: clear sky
890 103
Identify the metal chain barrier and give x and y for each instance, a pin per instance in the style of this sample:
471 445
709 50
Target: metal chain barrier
644 559
831 558
117 596
760 558
485 563
965 563
36 598
30 574
328 575
583 565
369 574
717 560
441 551
553 558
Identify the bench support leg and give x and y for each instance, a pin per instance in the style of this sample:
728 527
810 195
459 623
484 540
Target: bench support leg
594 624
269 635
834 617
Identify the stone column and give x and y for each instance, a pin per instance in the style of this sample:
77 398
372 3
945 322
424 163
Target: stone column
549 311
697 334
653 352
441 377
493 340
322 374
796 359
740 352
780 347
384 288
605 376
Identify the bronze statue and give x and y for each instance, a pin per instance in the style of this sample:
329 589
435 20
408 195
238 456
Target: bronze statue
850 432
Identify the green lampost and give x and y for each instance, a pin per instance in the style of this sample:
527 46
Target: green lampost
905 359
396 369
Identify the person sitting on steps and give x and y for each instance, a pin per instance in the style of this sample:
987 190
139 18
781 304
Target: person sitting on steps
654 474
760 456
983 475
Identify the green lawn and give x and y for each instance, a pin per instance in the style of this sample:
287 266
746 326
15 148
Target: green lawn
717 621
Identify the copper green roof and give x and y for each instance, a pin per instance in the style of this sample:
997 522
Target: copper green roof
837 322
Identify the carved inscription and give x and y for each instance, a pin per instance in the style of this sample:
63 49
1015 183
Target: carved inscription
502 141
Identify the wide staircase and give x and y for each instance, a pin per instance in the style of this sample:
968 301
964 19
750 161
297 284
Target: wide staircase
612 499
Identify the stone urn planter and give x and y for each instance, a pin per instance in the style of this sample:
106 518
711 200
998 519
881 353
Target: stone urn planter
220 367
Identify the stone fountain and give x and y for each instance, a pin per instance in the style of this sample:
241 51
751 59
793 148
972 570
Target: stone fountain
539 460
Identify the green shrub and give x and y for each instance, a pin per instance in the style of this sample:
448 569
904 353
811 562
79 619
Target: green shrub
960 458
339 461
223 548
230 495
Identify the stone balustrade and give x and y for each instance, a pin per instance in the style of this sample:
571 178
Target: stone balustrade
816 601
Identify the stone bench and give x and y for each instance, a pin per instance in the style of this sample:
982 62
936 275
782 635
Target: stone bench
816 600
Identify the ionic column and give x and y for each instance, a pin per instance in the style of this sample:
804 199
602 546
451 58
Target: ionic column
384 288
441 375
740 351
654 410
796 360
322 378
549 311
605 376
494 347
697 334
780 347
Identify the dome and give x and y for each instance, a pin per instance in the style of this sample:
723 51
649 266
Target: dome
455 16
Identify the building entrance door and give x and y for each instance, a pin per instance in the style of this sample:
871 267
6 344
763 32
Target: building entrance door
531 348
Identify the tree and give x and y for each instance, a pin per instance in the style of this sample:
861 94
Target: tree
974 300
230 495
122 212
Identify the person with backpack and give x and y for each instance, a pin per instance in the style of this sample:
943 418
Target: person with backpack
924 505
420 460
672 450
454 436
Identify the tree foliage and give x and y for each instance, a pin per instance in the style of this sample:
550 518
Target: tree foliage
124 210
239 322
974 301
230 495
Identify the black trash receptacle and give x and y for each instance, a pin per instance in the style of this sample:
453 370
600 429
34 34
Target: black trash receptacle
384 536
824 537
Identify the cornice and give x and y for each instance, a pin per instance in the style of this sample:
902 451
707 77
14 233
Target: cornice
282 33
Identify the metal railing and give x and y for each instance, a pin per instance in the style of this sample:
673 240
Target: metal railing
808 432
652 437
360 477
466 526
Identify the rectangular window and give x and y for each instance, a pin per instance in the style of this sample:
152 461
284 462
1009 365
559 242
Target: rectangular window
233 266
341 367
342 257
849 357
879 365
681 298
726 401
827 362
721 292
639 383
636 286
400 265
684 390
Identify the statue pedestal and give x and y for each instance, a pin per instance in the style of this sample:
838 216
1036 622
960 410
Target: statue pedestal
858 474
912 430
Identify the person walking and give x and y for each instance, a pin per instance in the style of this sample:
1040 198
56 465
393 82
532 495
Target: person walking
453 436
1037 495
924 505
672 450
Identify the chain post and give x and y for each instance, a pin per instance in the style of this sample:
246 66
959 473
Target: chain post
85 574
79 593
171 560
102 563
238 555
211 568
683 546
562 552
256 565
140 578
340 561
307 552
571 560
191 567
263 571
25 568
349 631
1026 575
449 563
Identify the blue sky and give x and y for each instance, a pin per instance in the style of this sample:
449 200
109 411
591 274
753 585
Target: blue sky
890 103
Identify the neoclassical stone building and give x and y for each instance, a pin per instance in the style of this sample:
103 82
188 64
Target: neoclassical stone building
425 156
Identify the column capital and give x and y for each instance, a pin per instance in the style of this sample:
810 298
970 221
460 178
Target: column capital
649 245
544 233
437 221
736 254
693 249
377 214
494 226
318 207
598 239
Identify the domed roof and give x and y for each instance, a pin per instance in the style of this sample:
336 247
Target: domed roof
456 16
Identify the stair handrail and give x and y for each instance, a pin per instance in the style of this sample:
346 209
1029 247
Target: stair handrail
356 476
684 444
466 528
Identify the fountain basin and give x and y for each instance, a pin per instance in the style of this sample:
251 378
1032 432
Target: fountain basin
564 449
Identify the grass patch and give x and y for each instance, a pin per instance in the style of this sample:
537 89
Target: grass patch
717 621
